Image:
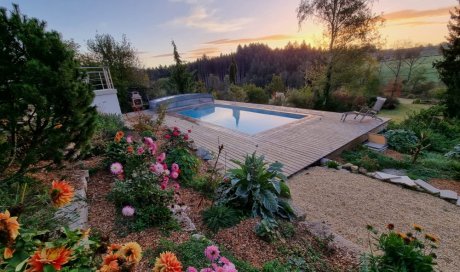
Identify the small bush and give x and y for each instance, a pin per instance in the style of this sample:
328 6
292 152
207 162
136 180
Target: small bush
303 98
236 93
370 164
267 229
188 162
454 153
256 94
220 217
332 164
401 140
275 266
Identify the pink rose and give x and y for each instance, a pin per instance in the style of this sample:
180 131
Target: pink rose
174 175
161 157
174 167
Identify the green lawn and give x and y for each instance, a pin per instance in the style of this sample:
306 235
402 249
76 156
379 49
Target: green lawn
400 113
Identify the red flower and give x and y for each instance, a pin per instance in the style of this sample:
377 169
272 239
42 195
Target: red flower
176 128
186 137
176 133
189 131
167 136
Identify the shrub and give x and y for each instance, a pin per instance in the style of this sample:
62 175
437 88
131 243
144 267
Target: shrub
401 140
188 162
344 100
370 164
302 98
401 251
175 138
256 94
105 127
267 229
255 188
332 164
237 93
275 266
220 217
44 103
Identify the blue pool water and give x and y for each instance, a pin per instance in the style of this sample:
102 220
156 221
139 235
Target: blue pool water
250 121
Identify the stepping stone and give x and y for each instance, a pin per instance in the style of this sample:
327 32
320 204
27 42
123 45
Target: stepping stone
384 176
427 187
397 172
204 154
404 180
449 195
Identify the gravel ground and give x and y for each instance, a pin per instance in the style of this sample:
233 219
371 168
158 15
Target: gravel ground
348 202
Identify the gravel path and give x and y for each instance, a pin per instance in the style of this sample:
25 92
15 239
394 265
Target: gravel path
348 202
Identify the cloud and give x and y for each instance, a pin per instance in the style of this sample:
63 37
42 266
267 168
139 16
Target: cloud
201 18
418 23
197 53
275 37
411 13
163 55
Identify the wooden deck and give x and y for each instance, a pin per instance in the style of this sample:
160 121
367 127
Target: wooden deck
297 145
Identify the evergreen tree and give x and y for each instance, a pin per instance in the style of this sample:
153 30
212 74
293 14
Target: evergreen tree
233 70
449 67
180 78
44 102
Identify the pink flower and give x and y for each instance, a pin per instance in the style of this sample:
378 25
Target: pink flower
163 186
153 148
167 136
174 167
176 133
167 172
116 168
176 186
166 179
206 270
156 168
129 139
224 260
189 131
186 137
191 269
148 141
174 175
212 253
140 150
128 211
161 157
165 166
176 128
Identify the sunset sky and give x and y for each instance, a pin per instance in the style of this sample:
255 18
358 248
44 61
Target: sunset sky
213 26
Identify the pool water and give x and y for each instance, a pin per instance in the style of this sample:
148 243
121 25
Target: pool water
250 121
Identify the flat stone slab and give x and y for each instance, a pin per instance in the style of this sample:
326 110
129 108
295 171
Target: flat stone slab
384 176
449 195
396 172
404 180
427 187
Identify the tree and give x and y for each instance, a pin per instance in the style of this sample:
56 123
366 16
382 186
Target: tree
181 78
121 58
449 67
233 71
277 85
44 103
347 22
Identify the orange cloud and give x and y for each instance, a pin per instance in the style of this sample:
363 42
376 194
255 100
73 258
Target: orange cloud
276 37
419 23
196 53
411 13
163 55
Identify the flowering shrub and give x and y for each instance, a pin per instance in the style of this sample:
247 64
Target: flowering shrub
175 138
411 251
189 163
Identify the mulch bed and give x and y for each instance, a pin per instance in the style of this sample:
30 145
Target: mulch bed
446 184
394 154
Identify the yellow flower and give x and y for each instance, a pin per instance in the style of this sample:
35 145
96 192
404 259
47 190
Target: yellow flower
9 227
417 227
61 193
113 248
432 238
167 262
132 251
55 257
8 253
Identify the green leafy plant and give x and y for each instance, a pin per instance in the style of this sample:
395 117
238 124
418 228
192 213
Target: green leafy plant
332 164
454 153
410 251
105 126
267 229
188 162
219 217
256 188
275 266
401 140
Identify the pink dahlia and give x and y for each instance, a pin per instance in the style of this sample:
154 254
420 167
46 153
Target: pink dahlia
191 269
174 175
140 150
129 139
153 149
116 168
212 253
148 141
174 167
156 168
161 157
128 211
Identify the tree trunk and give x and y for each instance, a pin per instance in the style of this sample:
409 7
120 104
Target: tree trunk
327 87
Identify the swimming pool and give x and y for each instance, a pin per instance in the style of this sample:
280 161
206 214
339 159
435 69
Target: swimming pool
247 120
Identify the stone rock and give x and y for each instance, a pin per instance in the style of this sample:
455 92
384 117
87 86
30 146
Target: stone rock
371 174
362 170
324 161
427 187
448 195
204 154
384 176
347 166
198 236
404 180
396 172
354 169
193 146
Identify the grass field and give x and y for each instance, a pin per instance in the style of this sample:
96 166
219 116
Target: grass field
400 113
425 65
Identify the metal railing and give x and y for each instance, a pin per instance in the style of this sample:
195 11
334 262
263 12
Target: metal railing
99 77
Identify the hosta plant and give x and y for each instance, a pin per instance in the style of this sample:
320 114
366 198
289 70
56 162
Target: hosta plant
256 188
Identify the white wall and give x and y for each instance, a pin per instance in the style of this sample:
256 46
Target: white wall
106 101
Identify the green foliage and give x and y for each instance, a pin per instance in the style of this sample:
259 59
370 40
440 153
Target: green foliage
267 229
255 94
187 161
277 85
373 160
105 127
181 78
275 266
233 71
332 164
144 194
454 153
44 103
401 140
220 217
237 93
285 191
190 253
400 252
286 229
256 189
370 164
302 98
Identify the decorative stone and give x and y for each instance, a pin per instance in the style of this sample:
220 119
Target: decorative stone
347 166
427 187
384 176
449 195
371 174
198 236
362 170
354 169
404 180
204 154
396 172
